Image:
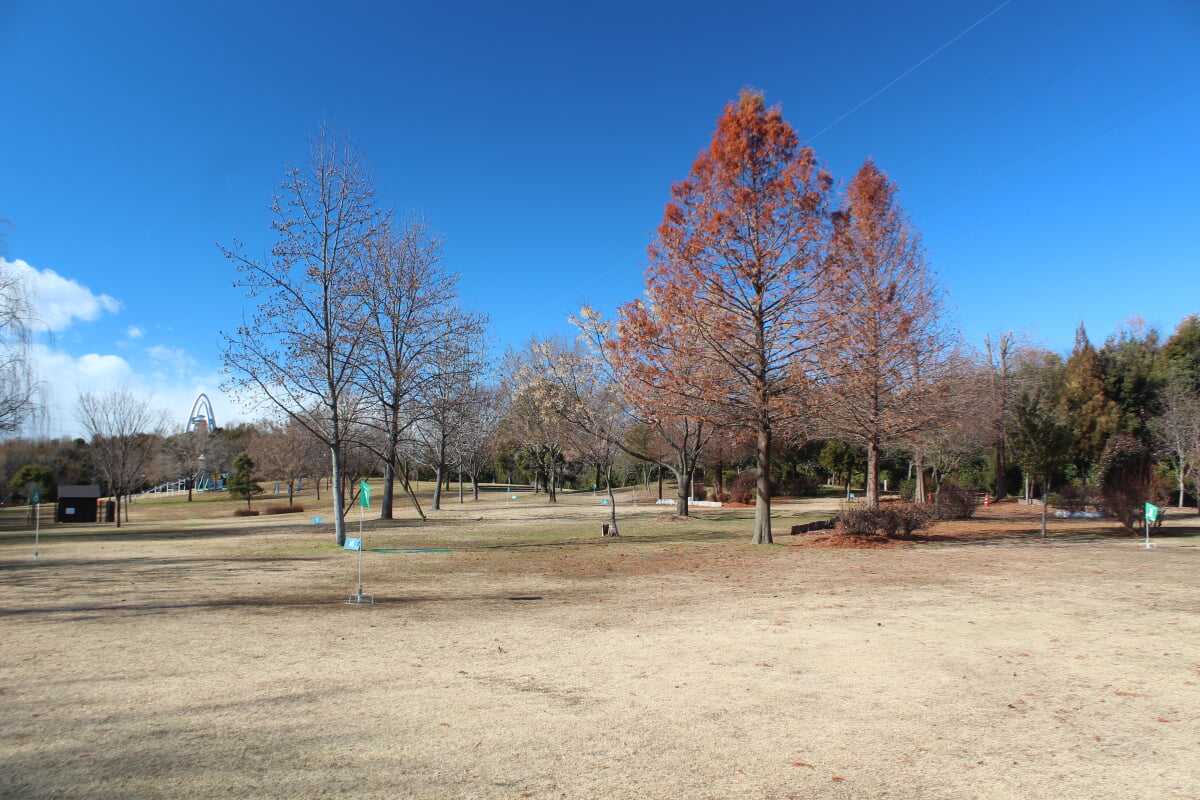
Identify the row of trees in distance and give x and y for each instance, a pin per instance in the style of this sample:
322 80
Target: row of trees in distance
778 310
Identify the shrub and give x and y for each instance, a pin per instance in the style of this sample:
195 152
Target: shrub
908 517
1126 478
892 519
954 502
246 512
742 488
858 520
292 509
907 489
799 486
1075 497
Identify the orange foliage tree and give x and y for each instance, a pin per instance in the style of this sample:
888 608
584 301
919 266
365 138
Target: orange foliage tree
889 350
733 284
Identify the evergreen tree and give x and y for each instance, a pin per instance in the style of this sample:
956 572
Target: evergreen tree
1132 381
240 483
1085 408
1181 353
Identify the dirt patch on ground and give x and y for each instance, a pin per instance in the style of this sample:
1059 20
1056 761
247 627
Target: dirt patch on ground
846 541
523 656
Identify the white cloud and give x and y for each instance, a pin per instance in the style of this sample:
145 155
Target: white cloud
173 389
174 357
134 332
60 301
65 377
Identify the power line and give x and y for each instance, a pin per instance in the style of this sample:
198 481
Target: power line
910 70
1045 112
1070 130
1039 87
1077 188
1032 48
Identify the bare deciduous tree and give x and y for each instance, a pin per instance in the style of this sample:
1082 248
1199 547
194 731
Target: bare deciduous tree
674 432
125 434
475 446
298 350
1177 430
573 385
286 451
19 385
414 323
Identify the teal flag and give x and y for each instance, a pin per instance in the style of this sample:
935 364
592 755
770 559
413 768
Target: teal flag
37 496
1151 512
364 494
352 544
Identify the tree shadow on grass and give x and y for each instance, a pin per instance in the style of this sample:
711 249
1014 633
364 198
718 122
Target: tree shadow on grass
275 601
1025 535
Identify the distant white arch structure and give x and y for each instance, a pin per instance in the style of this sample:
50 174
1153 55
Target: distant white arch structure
202 412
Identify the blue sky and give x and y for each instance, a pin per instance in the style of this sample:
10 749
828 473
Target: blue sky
1048 152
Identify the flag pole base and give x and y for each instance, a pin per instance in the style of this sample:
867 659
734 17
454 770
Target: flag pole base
1148 546
361 600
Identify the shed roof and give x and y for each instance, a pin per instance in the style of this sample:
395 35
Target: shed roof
85 492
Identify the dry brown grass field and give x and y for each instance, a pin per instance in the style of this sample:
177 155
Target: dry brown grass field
191 654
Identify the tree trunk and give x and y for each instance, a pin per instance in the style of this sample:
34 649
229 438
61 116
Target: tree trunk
1045 504
389 490
919 498
660 483
437 488
291 493
117 506
339 496
684 478
460 486
1181 487
872 475
612 504
762 503
1001 470
411 494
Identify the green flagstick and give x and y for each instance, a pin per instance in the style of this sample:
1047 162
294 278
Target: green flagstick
364 502
37 520
1150 515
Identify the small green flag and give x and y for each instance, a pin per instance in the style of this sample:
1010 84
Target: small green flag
37 496
364 494
1151 512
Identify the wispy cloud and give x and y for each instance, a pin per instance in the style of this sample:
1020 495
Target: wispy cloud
175 359
135 332
59 301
